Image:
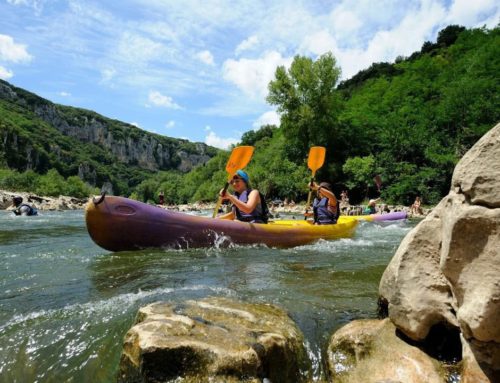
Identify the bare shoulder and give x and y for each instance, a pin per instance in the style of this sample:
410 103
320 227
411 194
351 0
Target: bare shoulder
255 193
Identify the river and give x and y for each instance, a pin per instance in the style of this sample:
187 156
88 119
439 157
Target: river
66 304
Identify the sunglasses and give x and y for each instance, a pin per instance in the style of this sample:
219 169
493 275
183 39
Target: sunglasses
235 179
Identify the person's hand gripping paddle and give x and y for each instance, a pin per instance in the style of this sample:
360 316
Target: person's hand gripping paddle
239 158
314 162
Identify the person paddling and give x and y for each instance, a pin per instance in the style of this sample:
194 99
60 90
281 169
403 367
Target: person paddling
248 203
326 209
22 208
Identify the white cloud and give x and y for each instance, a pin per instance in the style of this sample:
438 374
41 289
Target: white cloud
161 30
170 124
107 74
158 99
5 74
213 140
267 118
466 12
35 4
318 43
18 2
247 44
417 26
252 76
11 51
136 124
205 57
222 143
344 22
135 50
64 94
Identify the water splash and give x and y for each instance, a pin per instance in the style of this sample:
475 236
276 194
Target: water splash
116 304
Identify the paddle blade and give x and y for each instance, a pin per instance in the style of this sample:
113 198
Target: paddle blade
239 158
316 158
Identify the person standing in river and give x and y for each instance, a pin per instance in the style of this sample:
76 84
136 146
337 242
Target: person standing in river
23 208
371 208
161 198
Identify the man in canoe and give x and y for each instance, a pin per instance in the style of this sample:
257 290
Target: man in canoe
248 204
326 209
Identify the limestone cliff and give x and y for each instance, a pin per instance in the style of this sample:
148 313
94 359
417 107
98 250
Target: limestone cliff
120 141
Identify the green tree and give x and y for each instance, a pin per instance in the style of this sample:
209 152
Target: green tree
359 171
449 35
51 184
309 104
146 190
77 188
252 136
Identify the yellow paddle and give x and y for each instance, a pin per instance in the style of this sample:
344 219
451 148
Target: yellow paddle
314 162
239 158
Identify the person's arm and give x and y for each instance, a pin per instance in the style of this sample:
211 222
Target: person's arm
24 210
332 200
245 207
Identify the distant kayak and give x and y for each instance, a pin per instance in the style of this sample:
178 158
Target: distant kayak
120 224
394 216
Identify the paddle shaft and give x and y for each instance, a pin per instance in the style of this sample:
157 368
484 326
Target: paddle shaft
219 201
309 195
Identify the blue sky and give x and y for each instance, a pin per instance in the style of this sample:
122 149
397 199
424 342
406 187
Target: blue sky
199 69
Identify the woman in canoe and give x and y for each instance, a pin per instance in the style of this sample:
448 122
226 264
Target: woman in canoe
326 208
248 204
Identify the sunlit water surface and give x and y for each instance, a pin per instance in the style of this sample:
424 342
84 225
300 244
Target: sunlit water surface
66 304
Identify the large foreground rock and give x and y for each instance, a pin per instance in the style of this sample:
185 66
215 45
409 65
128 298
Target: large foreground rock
447 269
369 351
216 340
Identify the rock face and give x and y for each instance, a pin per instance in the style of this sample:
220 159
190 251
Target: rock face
447 269
369 351
127 143
214 339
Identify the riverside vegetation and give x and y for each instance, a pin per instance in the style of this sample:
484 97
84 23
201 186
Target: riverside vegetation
408 122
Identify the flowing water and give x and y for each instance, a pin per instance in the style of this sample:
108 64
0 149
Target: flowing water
66 304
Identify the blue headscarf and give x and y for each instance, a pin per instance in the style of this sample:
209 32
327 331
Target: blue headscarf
244 176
